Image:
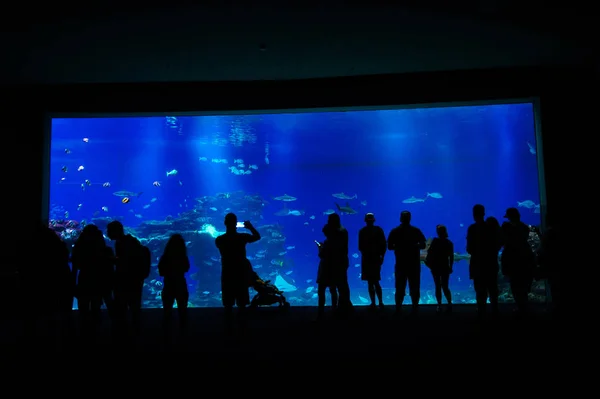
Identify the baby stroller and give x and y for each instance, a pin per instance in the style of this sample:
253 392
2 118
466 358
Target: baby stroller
267 293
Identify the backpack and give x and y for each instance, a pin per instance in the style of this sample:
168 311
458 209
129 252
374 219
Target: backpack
145 262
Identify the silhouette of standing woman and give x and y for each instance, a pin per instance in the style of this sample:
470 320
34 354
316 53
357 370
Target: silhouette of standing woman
173 265
440 259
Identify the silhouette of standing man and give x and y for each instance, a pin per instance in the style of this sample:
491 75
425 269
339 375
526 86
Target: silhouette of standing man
518 261
483 244
407 241
235 270
372 246
337 250
129 276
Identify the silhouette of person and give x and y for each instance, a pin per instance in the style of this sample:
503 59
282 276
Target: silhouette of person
235 278
482 245
337 255
93 261
372 246
407 241
326 275
47 284
495 244
518 262
173 265
129 277
551 259
440 259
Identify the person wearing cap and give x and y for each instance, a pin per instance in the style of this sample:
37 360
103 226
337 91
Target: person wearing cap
372 246
407 241
518 259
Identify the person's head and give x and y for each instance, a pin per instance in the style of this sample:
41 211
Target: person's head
478 213
231 221
370 219
90 230
115 230
513 215
334 220
90 236
175 245
441 231
492 222
405 217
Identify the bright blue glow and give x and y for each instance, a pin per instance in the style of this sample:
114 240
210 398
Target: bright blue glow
477 154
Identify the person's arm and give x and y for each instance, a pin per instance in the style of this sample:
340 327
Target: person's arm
451 257
382 244
422 241
255 236
390 241
470 240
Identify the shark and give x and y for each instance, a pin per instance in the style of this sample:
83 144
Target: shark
413 200
344 196
125 193
346 209
285 198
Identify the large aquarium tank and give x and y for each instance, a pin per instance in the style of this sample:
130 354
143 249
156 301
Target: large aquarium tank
286 172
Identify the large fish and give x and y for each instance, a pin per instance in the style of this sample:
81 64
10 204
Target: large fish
125 193
283 285
413 200
346 209
344 196
285 198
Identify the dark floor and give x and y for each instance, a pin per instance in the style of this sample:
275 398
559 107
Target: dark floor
293 335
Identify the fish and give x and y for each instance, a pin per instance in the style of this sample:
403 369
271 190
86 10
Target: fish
125 200
283 285
529 204
344 196
285 198
413 200
106 184
434 195
172 172
125 193
65 169
531 148
346 209
289 212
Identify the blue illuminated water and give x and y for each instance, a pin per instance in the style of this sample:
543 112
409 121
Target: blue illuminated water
469 155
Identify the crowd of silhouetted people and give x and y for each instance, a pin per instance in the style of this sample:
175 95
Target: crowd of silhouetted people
485 239
100 276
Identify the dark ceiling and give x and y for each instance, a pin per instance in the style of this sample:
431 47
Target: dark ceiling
300 40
